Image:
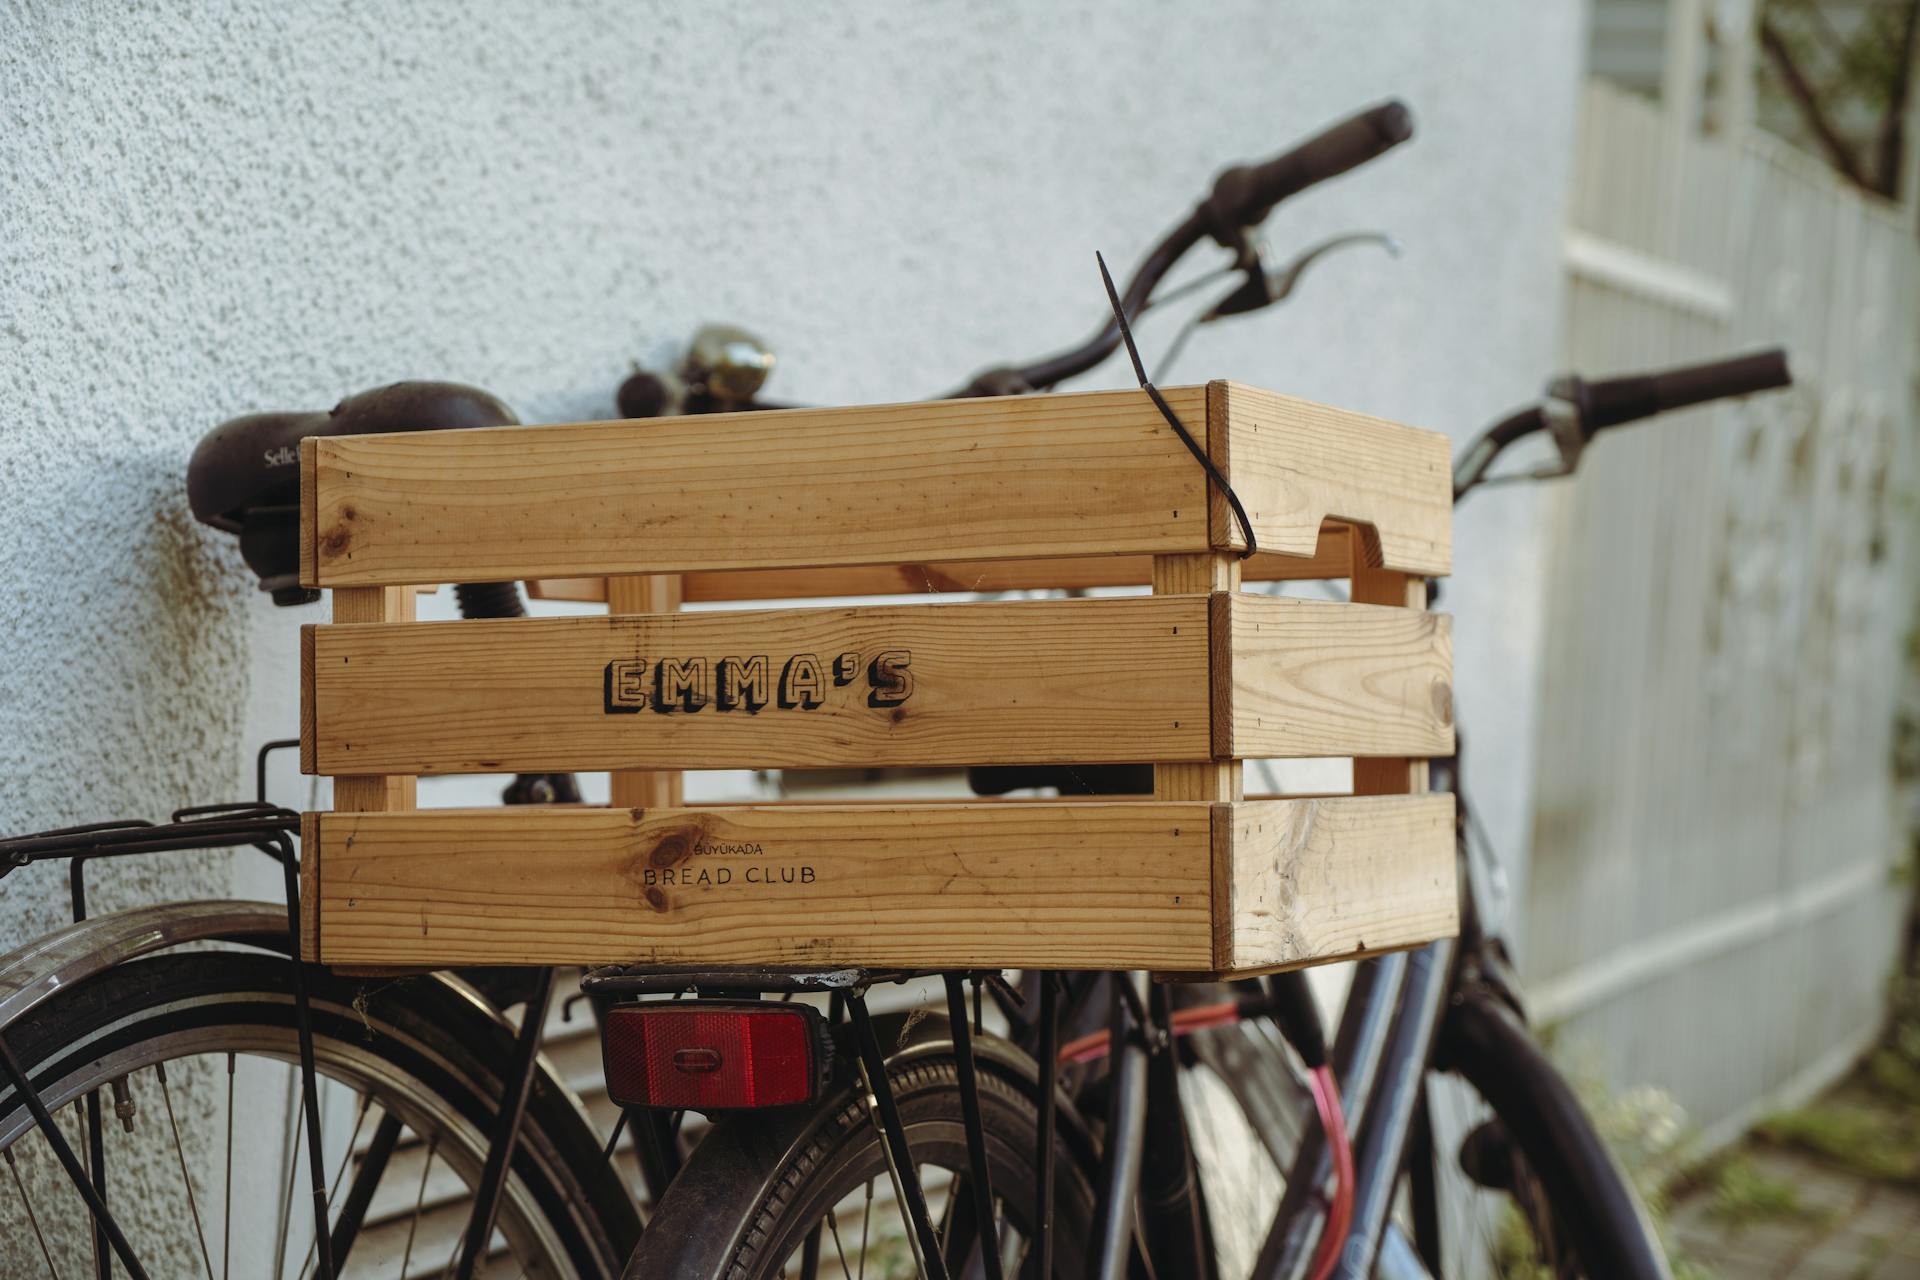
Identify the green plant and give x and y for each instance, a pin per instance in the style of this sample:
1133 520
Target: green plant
1743 1192
1869 1140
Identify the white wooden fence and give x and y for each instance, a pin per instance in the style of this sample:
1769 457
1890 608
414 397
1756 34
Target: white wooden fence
1713 899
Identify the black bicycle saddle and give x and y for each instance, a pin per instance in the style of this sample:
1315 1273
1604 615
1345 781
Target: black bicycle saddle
244 476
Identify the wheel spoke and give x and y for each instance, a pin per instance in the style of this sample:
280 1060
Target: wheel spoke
366 1181
226 1211
943 1232
833 1225
84 1149
413 1226
333 1189
186 1179
292 1175
1011 1245
32 1218
866 1218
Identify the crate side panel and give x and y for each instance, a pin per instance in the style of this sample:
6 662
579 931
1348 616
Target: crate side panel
1296 464
1015 682
1095 473
995 885
1316 678
1340 876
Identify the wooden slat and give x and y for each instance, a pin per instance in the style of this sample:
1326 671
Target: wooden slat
1308 880
1096 473
1015 682
1060 885
1089 474
1045 886
1295 464
1315 678
1329 560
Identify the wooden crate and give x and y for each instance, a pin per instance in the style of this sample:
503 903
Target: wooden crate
914 500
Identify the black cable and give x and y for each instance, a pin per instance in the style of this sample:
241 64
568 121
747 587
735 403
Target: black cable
1173 419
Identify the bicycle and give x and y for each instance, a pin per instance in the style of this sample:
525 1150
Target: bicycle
1454 1007
92 1007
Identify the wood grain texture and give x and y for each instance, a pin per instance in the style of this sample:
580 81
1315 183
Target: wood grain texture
1060 681
1296 464
944 483
644 788
309 522
1329 560
1057 885
1310 880
366 792
307 762
1043 886
310 887
1387 775
1316 678
1094 473
1214 573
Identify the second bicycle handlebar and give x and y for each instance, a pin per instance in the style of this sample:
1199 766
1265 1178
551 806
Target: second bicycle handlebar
1614 401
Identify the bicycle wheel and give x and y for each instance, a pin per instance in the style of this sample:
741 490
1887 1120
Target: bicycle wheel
190 1050
807 1192
1579 1212
1569 1211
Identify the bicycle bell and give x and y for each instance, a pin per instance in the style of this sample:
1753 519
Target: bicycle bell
727 363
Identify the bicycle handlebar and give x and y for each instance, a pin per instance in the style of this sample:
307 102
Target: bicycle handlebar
1244 195
1611 402
1614 401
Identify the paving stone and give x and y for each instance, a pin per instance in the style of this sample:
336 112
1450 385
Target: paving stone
1860 1229
1888 1214
1845 1255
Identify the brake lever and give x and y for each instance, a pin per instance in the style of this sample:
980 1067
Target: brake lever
1267 285
1566 425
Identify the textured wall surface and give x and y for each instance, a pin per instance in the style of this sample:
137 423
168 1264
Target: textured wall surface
211 209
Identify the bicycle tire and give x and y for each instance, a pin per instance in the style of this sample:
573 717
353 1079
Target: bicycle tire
1591 1202
758 1184
427 1053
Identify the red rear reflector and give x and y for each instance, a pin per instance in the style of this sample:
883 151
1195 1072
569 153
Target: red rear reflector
700 1055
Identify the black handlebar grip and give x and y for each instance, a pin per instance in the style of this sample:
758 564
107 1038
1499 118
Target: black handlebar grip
1245 194
1617 400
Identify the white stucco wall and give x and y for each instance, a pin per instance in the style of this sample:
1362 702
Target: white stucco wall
218 208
